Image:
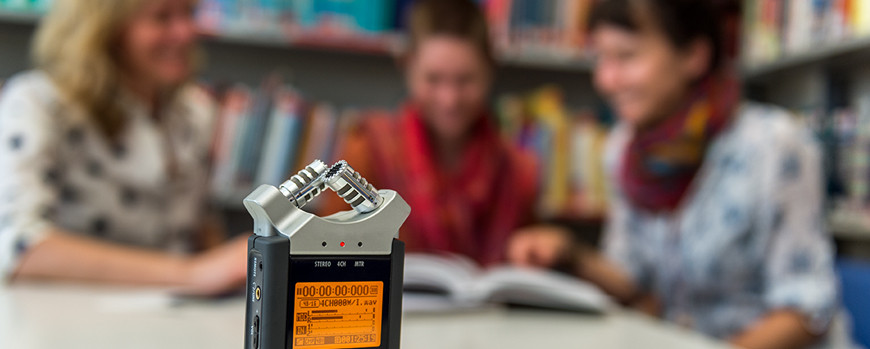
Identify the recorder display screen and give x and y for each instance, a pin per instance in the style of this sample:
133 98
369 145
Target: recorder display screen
331 315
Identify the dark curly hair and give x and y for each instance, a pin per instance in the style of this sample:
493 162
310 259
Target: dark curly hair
681 21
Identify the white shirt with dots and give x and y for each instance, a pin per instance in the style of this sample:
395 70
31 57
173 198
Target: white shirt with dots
58 172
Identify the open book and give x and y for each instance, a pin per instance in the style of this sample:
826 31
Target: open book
433 282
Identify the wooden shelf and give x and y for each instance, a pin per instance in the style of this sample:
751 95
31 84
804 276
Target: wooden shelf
825 54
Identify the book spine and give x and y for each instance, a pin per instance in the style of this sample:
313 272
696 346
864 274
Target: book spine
861 17
226 150
293 131
254 137
268 171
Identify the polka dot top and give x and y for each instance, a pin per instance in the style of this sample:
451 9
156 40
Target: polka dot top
749 239
58 172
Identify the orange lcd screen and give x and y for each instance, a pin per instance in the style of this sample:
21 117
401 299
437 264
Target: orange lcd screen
337 315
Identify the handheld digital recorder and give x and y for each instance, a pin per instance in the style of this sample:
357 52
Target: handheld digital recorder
325 282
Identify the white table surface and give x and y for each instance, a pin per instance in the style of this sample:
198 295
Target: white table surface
54 317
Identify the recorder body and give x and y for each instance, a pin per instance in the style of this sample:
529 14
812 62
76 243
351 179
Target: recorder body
324 282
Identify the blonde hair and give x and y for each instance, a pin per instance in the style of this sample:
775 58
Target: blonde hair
75 45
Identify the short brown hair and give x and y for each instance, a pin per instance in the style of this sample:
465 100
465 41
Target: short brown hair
461 19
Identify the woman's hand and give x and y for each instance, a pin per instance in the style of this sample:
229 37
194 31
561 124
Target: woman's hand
65 256
779 329
550 246
219 270
541 246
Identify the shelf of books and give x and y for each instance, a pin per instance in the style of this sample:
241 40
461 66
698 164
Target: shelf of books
805 54
267 132
546 34
780 35
538 34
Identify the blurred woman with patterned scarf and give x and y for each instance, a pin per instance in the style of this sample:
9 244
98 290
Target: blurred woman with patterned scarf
715 219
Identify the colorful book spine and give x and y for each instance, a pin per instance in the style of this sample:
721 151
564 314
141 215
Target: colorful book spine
226 150
773 28
498 13
366 16
320 133
255 129
547 106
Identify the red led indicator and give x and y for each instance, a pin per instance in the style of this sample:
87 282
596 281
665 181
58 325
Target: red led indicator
342 244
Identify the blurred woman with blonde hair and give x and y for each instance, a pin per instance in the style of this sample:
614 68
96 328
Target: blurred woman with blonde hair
104 151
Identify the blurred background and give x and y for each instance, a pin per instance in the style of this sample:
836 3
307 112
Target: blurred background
337 59
334 60
292 77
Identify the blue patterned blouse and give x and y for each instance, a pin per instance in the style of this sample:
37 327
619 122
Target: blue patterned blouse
749 238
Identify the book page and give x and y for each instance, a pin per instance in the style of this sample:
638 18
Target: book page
449 275
541 288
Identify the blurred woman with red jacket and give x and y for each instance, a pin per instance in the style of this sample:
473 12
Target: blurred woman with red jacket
468 189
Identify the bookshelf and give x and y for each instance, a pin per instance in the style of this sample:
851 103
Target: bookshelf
385 44
365 68
346 69
366 64
812 58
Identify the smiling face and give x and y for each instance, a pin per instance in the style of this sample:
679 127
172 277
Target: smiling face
449 80
643 76
157 44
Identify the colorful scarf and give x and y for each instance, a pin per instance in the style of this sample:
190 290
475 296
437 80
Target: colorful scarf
662 161
469 211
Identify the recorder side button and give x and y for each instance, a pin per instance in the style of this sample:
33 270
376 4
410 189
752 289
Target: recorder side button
255 338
